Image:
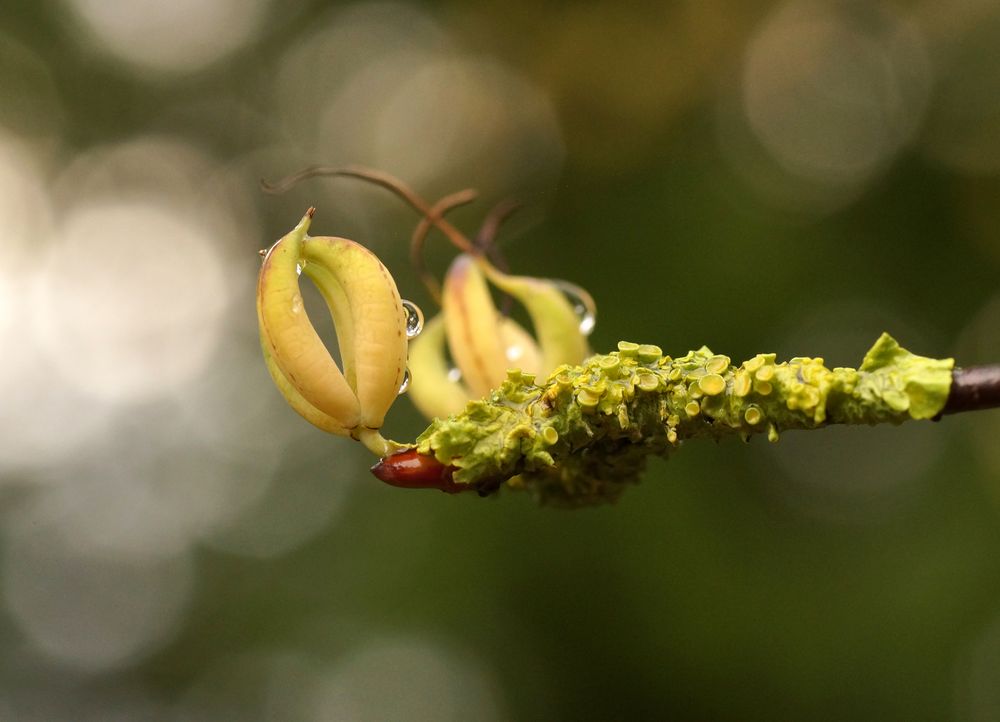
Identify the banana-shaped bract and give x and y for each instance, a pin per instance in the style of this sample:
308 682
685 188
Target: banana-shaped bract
558 326
289 338
371 328
305 409
520 348
369 317
484 344
471 323
437 389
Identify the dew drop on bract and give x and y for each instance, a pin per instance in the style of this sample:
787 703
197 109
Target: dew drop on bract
265 252
406 382
298 269
414 319
582 302
454 374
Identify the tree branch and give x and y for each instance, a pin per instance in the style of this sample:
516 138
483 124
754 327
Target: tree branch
583 435
973 389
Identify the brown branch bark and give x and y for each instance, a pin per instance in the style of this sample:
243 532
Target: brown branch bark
973 389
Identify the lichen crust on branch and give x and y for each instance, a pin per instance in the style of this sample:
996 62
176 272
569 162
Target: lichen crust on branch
584 434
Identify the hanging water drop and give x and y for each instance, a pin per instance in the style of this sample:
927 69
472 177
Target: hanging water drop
582 302
414 319
406 382
454 374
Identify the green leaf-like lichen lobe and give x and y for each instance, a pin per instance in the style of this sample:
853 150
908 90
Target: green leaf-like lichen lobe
584 434
915 384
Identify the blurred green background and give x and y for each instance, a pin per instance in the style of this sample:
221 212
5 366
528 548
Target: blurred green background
756 176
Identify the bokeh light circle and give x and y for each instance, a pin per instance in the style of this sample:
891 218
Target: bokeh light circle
134 295
90 611
386 88
253 687
407 679
964 118
180 36
43 417
833 93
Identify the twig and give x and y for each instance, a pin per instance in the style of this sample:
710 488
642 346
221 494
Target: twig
974 389
583 435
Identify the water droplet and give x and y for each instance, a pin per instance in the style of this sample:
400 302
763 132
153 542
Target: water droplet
265 252
583 304
514 353
414 319
298 269
454 374
406 382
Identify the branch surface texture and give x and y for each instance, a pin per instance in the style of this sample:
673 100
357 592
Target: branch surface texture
582 436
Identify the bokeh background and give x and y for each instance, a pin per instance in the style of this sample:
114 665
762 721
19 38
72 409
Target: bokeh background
795 176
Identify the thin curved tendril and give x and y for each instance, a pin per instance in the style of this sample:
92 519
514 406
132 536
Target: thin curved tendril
379 178
486 242
433 216
486 237
424 225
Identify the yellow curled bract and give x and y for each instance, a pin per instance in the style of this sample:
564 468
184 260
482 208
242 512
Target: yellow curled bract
438 389
370 322
560 328
483 344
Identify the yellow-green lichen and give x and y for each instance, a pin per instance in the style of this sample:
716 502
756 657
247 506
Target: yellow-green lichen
712 384
583 435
